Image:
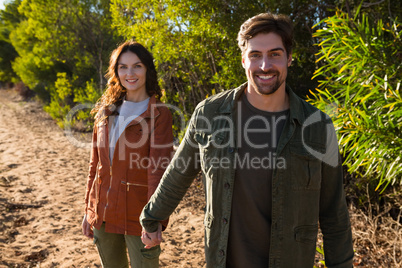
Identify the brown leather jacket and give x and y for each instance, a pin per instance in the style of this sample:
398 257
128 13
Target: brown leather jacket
117 192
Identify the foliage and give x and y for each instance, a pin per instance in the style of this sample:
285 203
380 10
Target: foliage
64 95
87 96
361 89
59 41
60 93
9 19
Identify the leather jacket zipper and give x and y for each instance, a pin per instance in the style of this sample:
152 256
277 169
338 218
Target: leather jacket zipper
133 184
107 194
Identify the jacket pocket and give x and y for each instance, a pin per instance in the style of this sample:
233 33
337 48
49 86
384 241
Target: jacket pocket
305 170
206 141
152 253
211 151
136 197
306 233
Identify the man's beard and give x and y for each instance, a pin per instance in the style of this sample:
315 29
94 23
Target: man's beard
268 89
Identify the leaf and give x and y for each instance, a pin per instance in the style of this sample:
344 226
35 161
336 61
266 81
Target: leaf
343 68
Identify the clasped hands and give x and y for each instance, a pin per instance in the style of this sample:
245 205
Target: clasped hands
152 239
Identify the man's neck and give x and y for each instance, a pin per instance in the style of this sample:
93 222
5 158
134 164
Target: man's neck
275 102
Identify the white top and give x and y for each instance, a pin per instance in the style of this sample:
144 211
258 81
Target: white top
128 111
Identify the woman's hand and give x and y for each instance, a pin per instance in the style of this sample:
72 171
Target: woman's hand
87 228
152 239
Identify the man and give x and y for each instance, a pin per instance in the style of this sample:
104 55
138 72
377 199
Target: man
270 163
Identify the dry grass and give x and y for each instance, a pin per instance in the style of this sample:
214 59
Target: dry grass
378 235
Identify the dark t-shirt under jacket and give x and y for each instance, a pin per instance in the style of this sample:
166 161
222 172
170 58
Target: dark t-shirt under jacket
250 223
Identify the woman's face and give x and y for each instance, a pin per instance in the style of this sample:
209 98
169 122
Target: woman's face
132 73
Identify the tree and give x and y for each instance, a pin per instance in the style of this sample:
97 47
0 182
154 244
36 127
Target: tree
63 43
9 19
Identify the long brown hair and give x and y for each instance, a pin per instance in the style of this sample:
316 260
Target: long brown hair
115 92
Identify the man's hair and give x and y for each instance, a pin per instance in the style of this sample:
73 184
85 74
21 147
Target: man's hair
267 23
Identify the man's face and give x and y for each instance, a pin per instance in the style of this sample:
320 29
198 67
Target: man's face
266 63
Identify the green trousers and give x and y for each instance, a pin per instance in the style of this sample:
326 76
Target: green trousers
113 249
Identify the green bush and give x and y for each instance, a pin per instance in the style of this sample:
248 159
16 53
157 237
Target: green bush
64 96
360 87
87 97
60 99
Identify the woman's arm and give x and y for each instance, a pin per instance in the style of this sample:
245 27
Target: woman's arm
93 163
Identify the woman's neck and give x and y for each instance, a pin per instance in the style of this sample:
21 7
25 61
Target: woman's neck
136 96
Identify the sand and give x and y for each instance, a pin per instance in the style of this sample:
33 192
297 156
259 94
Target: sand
42 184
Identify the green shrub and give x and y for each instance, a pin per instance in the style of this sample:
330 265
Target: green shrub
360 87
64 96
60 99
87 97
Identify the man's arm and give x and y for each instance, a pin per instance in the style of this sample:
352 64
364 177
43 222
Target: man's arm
334 216
174 184
160 152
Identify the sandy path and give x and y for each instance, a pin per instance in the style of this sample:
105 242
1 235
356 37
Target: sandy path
42 181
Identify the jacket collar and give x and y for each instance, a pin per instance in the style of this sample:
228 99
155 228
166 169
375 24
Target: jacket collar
231 100
295 105
152 110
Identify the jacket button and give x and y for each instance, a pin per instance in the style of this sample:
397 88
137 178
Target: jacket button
221 253
225 221
276 191
226 186
231 150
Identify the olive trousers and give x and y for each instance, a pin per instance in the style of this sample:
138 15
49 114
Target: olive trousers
113 249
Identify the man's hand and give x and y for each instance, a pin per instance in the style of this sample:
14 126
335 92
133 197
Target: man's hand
152 239
87 228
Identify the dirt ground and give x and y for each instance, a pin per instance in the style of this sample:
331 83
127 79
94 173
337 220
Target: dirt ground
42 183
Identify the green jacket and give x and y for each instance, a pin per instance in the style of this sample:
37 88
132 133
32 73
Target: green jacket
307 184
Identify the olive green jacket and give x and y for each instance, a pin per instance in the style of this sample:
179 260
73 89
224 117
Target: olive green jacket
307 183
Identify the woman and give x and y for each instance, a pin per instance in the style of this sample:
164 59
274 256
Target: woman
132 146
